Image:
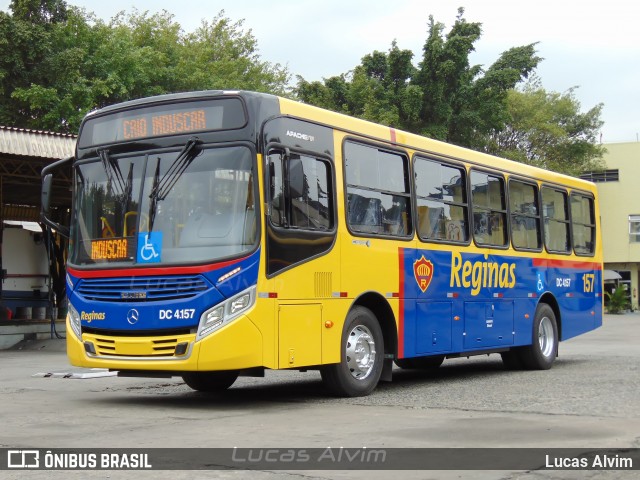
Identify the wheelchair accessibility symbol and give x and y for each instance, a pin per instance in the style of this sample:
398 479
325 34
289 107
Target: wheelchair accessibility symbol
149 247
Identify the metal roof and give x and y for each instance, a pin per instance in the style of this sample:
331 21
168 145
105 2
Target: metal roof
36 143
23 154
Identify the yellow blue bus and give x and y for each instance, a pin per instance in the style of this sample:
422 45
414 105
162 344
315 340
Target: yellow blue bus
220 234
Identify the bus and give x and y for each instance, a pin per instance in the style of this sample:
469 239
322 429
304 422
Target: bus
220 234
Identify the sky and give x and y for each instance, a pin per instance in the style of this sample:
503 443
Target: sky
594 46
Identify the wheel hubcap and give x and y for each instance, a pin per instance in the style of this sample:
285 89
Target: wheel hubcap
361 352
546 337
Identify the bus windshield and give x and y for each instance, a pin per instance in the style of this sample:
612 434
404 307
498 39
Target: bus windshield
164 208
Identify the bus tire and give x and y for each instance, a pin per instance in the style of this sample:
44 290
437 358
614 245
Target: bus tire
210 381
362 356
419 363
543 350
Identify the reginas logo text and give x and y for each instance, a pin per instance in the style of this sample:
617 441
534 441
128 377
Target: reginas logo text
478 274
89 316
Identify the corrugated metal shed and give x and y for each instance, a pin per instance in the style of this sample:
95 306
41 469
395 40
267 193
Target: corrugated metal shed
23 155
36 143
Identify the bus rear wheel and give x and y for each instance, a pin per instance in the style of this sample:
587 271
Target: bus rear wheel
362 356
543 350
210 381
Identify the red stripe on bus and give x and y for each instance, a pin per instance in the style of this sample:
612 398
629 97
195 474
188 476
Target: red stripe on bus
577 264
393 135
401 304
151 271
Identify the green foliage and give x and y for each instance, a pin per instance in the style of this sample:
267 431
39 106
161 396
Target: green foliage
58 62
39 12
547 129
617 301
444 97
448 99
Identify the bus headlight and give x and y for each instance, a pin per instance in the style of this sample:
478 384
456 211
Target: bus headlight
224 313
74 320
240 303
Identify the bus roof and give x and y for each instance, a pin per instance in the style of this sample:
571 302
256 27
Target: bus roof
371 130
201 94
425 144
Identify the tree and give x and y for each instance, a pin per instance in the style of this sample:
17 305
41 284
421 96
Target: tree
25 39
444 97
220 55
58 62
40 12
548 130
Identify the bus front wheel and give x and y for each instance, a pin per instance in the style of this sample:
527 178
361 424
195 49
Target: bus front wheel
210 381
362 356
544 346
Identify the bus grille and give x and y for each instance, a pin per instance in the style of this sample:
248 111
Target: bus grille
149 347
142 289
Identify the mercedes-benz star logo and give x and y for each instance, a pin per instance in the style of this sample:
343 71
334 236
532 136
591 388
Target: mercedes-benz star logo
133 316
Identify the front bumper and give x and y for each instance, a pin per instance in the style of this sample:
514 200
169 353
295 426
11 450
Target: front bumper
236 346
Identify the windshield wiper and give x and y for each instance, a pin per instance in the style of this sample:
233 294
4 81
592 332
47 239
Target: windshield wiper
112 169
128 189
154 198
177 168
162 186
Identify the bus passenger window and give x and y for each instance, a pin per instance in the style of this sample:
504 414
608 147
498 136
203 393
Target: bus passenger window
441 196
378 191
525 215
555 212
489 209
365 212
583 224
395 217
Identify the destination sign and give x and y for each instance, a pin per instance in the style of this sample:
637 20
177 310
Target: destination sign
164 124
162 120
110 249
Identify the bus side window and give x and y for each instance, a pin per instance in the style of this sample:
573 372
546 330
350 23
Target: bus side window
276 190
489 209
364 213
441 196
378 191
300 192
555 212
583 224
525 215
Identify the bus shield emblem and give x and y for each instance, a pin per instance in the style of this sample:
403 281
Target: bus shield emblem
423 272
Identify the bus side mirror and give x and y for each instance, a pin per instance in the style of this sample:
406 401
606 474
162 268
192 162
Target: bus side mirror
45 200
45 196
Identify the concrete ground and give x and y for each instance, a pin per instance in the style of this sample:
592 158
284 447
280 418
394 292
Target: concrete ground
589 399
